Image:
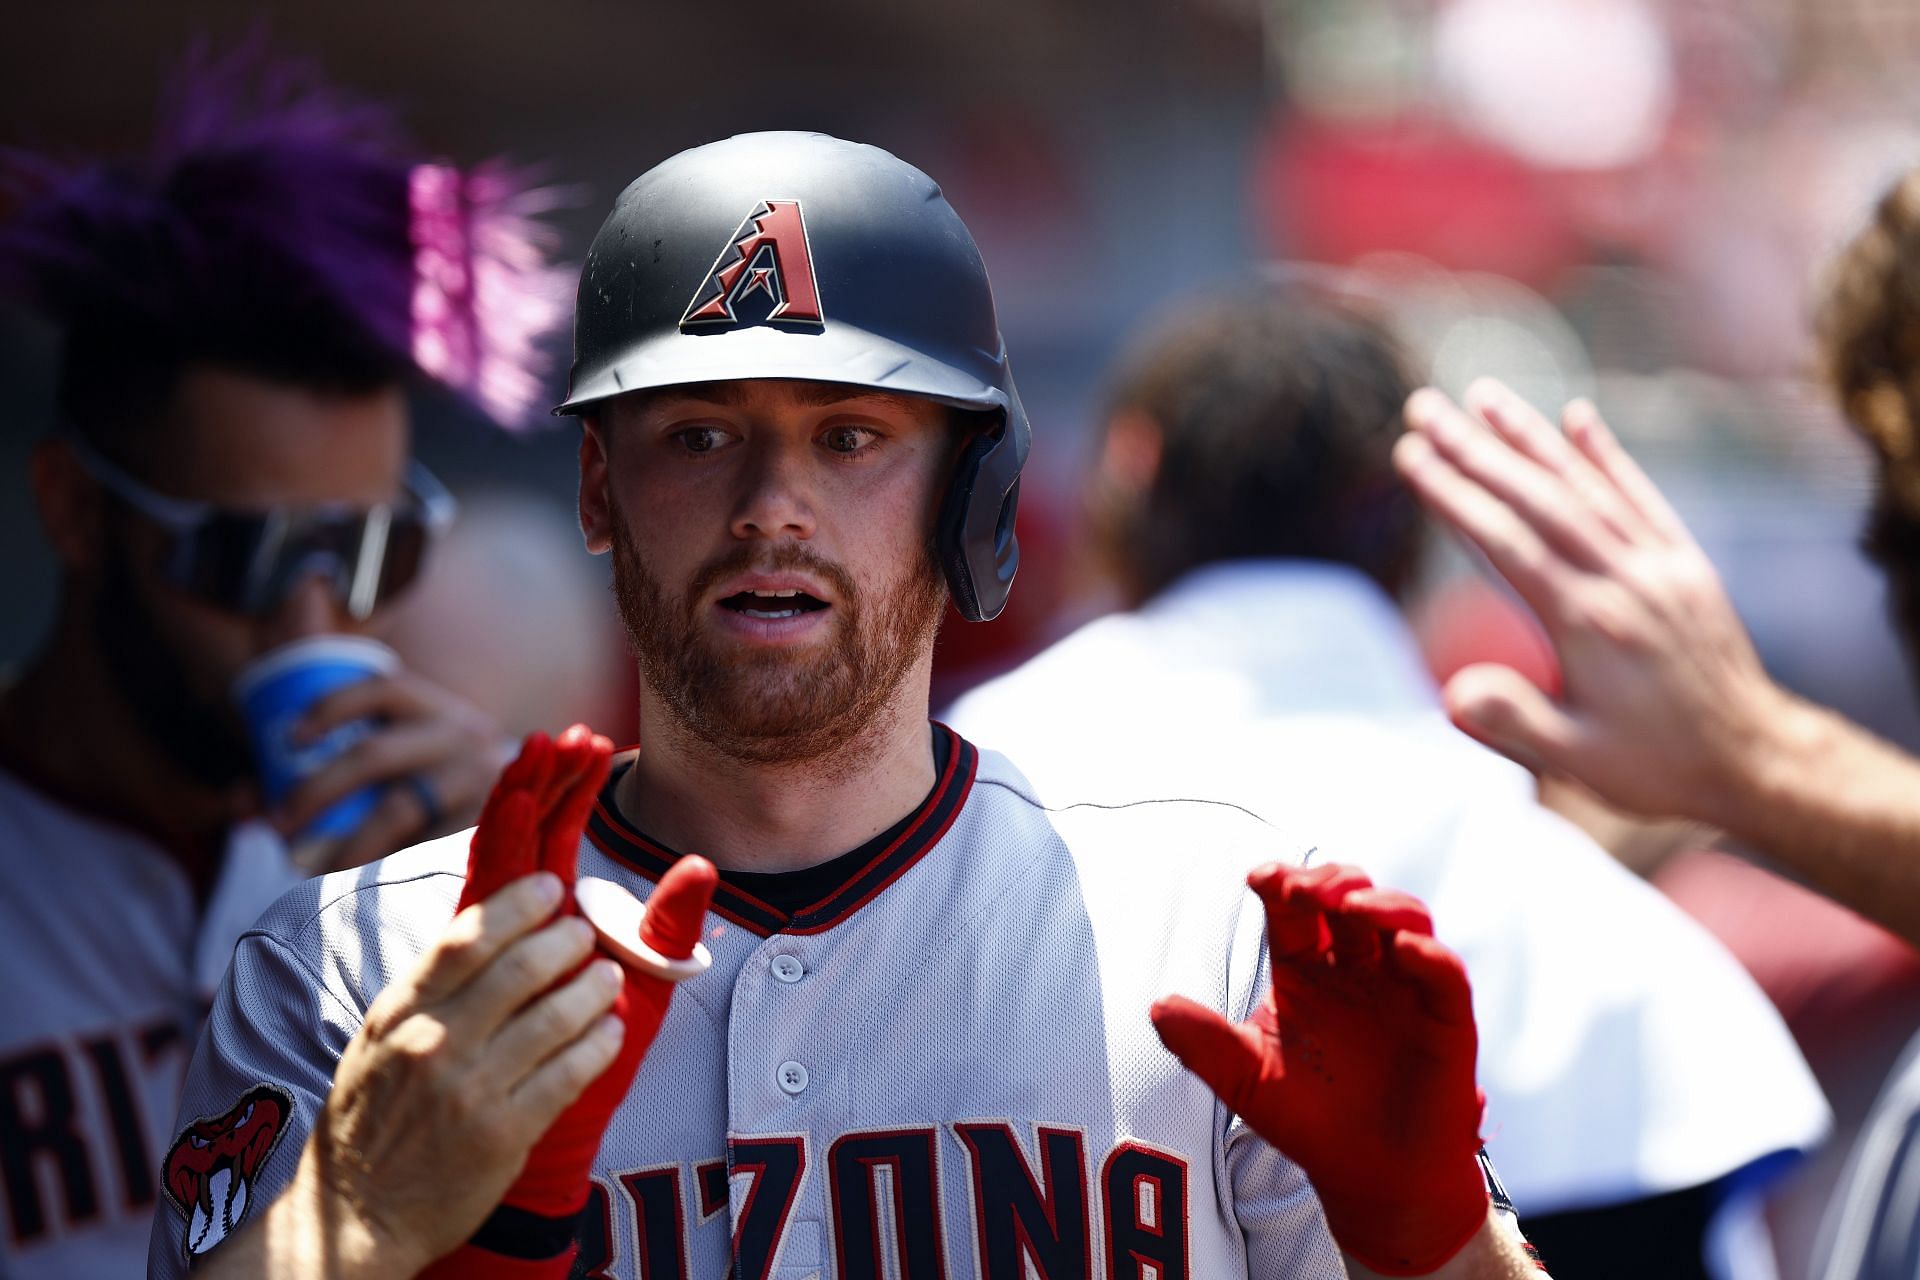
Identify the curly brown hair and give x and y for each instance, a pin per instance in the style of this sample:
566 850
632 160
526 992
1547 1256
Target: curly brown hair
1869 326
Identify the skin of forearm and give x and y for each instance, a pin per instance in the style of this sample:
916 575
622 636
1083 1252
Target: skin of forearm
1492 1254
1837 807
308 1234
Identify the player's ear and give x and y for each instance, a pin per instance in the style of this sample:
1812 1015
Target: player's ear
1130 454
71 504
596 508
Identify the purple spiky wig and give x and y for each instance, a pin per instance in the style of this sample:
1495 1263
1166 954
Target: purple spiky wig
282 227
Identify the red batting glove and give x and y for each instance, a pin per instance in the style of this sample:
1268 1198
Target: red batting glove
533 821
1358 1066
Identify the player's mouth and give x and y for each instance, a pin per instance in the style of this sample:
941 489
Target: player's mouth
772 609
770 606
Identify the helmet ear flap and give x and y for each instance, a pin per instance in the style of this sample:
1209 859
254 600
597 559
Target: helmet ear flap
974 535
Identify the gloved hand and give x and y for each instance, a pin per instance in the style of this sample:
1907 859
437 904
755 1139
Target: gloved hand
1358 1065
532 821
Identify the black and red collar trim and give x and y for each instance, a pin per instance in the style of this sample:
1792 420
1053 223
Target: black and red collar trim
894 851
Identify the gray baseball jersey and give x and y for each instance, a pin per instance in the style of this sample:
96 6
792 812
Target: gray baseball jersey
110 963
1872 1227
944 1067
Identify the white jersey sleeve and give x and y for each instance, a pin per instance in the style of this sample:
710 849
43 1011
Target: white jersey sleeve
1271 1195
297 992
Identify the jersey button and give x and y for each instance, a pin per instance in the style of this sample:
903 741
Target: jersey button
792 1077
788 968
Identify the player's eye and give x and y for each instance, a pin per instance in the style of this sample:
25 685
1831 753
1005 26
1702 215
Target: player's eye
847 438
700 439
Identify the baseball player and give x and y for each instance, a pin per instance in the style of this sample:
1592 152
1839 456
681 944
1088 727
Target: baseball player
228 472
930 1039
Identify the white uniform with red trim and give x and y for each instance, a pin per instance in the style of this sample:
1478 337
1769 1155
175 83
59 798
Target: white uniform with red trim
110 963
945 1068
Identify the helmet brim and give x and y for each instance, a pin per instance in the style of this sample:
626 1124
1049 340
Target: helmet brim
839 353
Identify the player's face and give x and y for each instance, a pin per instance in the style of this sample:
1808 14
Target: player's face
241 442
772 554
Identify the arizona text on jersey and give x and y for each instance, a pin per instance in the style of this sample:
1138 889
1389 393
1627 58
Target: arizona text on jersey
944 1067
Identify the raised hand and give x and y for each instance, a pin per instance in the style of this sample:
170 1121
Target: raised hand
533 822
1358 1065
1666 703
438 753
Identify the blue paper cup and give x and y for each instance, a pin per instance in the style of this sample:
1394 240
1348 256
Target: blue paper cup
275 692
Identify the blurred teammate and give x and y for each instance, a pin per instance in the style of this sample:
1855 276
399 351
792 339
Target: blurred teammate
1245 499
927 1045
1666 709
228 471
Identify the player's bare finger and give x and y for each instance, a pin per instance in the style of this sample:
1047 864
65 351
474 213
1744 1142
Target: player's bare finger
1502 708
1595 440
1516 552
393 751
1536 496
397 696
1438 975
398 819
1516 421
553 1021
555 1084
1429 405
1529 431
522 970
481 932
456 789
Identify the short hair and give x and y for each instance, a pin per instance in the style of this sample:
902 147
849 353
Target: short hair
1277 406
1869 329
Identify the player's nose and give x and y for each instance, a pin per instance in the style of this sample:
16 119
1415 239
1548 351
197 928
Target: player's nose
774 499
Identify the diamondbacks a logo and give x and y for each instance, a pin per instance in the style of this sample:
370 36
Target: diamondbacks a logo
210 1169
768 255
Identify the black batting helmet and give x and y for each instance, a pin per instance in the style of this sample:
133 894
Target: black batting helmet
798 255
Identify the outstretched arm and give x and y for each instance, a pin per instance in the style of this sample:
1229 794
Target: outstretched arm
1359 1067
1666 710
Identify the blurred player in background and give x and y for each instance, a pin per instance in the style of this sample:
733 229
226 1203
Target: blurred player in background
1244 500
1666 709
243 310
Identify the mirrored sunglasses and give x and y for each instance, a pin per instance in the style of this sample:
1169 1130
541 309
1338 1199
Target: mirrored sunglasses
250 561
